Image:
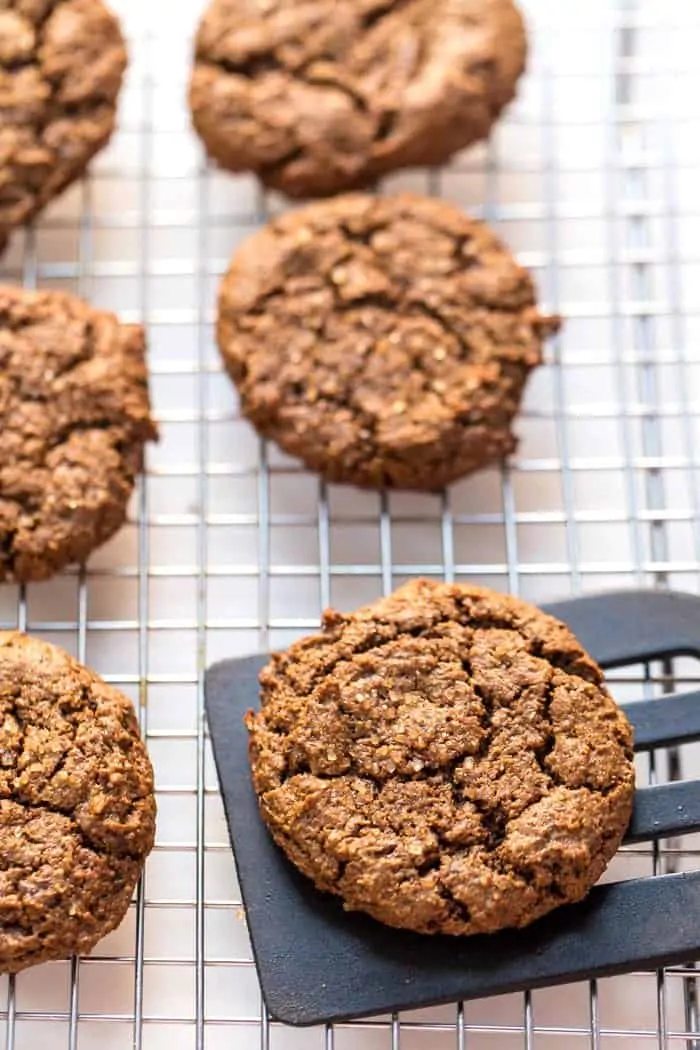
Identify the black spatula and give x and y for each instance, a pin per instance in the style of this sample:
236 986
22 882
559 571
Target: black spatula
318 963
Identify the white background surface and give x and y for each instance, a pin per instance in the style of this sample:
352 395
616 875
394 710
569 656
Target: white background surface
593 180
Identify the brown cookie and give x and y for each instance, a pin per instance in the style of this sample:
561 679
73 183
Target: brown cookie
447 760
61 67
385 341
320 96
74 417
77 810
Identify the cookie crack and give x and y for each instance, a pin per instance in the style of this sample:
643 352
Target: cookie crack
421 307
469 617
15 374
325 78
486 702
371 644
494 818
430 772
346 398
13 793
377 309
563 661
269 170
499 864
382 10
316 71
250 67
507 823
29 508
458 909
8 756
547 746
119 426
88 842
53 110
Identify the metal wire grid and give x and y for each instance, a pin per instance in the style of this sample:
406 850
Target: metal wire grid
231 548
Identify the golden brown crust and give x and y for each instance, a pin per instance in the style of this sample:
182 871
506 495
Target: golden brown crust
77 809
385 341
61 69
447 760
318 96
74 419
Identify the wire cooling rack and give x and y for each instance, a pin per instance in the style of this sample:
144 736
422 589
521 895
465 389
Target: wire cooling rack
593 179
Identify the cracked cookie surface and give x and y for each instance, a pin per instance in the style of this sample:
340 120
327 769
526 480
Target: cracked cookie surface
447 760
317 96
385 341
61 68
77 809
74 418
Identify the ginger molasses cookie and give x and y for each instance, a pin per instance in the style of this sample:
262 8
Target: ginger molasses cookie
77 810
74 418
319 96
385 341
447 760
61 67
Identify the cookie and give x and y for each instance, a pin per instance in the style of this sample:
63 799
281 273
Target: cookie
74 417
61 68
319 96
77 810
447 760
385 341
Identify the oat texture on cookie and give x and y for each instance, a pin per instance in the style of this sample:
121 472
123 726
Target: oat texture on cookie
385 341
447 760
74 418
77 808
320 96
61 68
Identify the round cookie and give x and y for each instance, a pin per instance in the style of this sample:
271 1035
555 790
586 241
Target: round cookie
74 417
447 760
317 96
77 810
385 341
61 68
